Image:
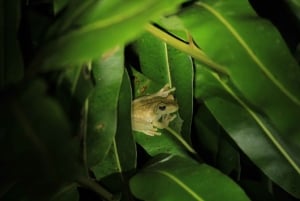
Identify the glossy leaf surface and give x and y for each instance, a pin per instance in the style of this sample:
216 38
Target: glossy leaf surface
254 134
247 48
260 87
176 178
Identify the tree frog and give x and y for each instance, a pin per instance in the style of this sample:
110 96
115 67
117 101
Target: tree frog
154 111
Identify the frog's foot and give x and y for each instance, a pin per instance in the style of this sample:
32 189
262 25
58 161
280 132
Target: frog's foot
151 133
145 127
165 91
164 122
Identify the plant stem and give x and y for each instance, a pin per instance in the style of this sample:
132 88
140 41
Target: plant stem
91 184
188 48
181 140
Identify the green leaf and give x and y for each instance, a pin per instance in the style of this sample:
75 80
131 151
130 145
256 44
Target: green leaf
121 158
164 64
213 142
255 135
90 30
260 90
257 59
11 64
177 178
102 106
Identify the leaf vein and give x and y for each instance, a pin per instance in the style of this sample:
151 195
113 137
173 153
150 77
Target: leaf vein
181 184
251 54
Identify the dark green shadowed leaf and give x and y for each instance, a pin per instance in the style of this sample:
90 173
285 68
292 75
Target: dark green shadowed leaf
255 135
213 142
102 106
43 155
58 5
177 178
258 61
94 28
11 64
67 193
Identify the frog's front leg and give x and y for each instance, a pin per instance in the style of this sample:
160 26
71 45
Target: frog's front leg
145 127
164 121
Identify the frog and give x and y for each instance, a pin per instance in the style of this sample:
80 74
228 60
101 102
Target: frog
155 111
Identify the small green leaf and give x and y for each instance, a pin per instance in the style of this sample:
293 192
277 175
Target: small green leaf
177 178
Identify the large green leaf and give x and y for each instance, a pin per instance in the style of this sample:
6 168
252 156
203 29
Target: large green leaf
163 64
261 88
102 106
258 62
91 28
176 178
254 134
11 64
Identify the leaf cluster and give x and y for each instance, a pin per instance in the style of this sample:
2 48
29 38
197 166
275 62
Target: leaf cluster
70 69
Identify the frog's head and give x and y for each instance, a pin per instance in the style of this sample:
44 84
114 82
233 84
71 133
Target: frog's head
166 107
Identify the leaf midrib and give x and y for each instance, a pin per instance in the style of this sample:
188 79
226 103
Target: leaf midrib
181 184
257 119
251 54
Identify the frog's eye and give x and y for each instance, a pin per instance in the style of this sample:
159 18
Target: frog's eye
162 107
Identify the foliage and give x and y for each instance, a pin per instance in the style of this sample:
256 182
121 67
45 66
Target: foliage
70 69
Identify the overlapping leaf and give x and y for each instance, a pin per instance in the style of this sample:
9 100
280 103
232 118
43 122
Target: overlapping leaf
176 178
102 107
261 70
254 134
89 29
256 57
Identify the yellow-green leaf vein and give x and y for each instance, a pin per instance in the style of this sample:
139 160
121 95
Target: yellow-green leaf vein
249 51
266 130
182 185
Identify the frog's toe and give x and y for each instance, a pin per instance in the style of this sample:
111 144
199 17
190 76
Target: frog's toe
152 133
